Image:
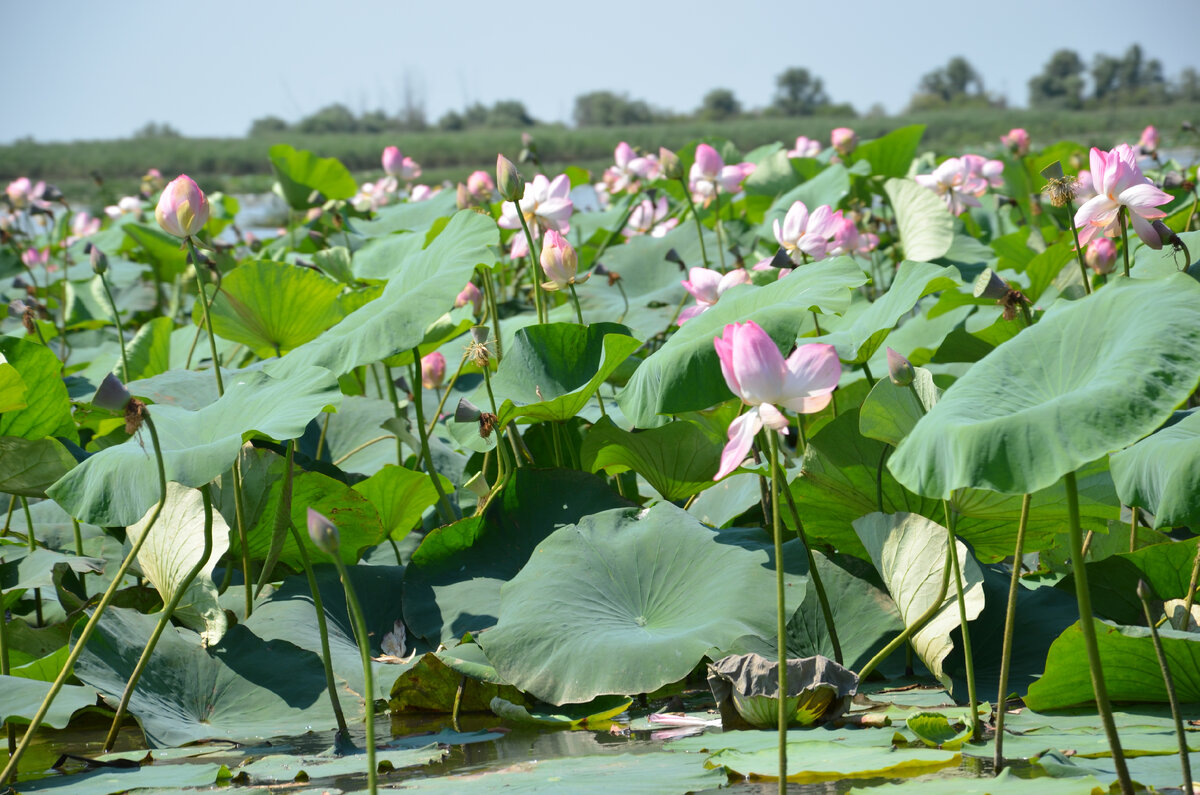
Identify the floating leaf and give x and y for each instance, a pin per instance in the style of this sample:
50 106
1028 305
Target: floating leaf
20 699
596 711
934 729
815 760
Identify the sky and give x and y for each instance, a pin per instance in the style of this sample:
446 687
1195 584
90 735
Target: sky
94 70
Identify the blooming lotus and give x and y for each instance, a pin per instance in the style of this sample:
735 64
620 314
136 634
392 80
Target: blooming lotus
372 195
803 235
629 169
844 140
182 208
848 240
954 181
984 172
82 225
805 147
421 193
559 262
710 174
647 218
707 286
35 257
1016 141
480 183
23 193
757 373
127 205
1119 183
545 205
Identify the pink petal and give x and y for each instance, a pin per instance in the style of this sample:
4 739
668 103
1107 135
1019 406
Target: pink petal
702 283
741 437
1143 199
724 347
773 418
708 162
757 363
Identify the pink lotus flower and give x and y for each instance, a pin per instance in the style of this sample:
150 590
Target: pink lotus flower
470 295
629 169
34 257
955 183
1148 143
391 160
756 372
1016 141
152 181
480 183
182 208
709 173
128 205
433 370
1084 189
82 225
805 147
707 286
559 262
421 193
647 218
985 172
844 140
1101 255
1119 183
804 236
373 195
22 193
545 206
848 240
768 264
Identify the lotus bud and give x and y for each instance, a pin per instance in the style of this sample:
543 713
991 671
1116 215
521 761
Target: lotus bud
324 533
182 209
462 197
672 166
392 161
1148 143
1017 141
508 180
470 295
112 394
844 140
1143 590
1100 255
467 411
480 184
900 370
99 260
433 370
989 285
559 262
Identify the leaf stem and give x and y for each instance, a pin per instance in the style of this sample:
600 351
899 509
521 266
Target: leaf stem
120 331
780 610
826 612
962 618
911 629
203 298
364 649
1010 618
1184 763
695 217
446 510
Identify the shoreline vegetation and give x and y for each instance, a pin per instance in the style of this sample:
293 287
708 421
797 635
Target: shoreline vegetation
241 165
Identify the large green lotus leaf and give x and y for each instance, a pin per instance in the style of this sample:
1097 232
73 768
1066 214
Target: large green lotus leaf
20 699
1090 377
400 496
243 688
678 459
909 552
406 216
1007 783
655 773
685 374
12 388
360 420
1113 580
22 569
147 779
175 546
551 370
810 761
280 769
1161 473
773 173
599 710
47 410
382 257
149 352
422 290
1043 268
926 226
167 252
300 172
1131 670
430 685
890 412
440 603
118 485
860 333
830 186
892 154
273 307
642 591
30 466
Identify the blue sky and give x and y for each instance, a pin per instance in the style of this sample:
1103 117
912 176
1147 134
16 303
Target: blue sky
100 70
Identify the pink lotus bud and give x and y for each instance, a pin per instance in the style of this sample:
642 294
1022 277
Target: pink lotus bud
708 161
462 197
1148 143
900 370
1100 255
324 533
672 166
480 184
508 180
470 294
559 261
1017 141
392 160
182 209
433 370
844 140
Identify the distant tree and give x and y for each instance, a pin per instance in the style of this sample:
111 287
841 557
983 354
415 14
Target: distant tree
376 121
799 93
335 118
1129 80
1105 76
268 125
509 113
956 83
451 120
718 105
1187 88
154 129
1060 85
605 109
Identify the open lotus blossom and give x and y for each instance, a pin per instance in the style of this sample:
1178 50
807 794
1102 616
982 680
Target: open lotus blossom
480 183
986 172
421 193
560 262
707 286
182 208
1148 143
848 240
647 218
756 372
1084 189
545 205
373 195
82 225
629 168
805 147
806 236
35 257
397 165
127 205
710 174
1119 183
1016 141
844 140
954 181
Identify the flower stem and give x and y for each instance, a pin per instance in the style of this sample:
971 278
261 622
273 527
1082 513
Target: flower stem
780 611
447 511
1122 214
1191 592
695 217
962 618
539 297
395 401
717 229
120 331
575 301
489 293
364 649
203 298
911 629
813 572
1087 625
1010 618
1168 682
1083 269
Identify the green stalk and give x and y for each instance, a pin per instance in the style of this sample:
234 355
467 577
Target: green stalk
699 227
12 506
962 618
9 729
364 648
323 630
780 610
1191 592
1088 626
447 511
1083 268
1123 215
1010 618
79 552
717 227
120 331
1143 592
69 665
163 620
212 338
816 577
32 539
243 541
617 230
539 297
575 300
493 308
912 628
394 398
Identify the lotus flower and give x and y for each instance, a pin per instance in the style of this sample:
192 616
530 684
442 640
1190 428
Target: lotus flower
756 372
480 183
82 225
803 235
545 205
1016 141
983 173
706 286
127 205
848 240
433 370
647 218
805 147
954 182
1101 255
1119 183
844 140
559 262
1148 143
391 160
710 174
324 533
629 169
421 193
470 295
182 209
